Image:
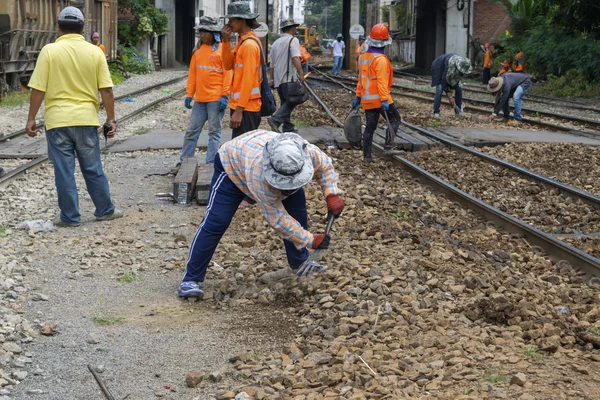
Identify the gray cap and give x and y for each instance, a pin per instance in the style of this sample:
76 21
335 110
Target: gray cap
286 162
287 23
339 35
208 23
71 14
240 9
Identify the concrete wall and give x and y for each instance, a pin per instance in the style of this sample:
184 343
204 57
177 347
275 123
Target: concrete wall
456 29
168 40
403 51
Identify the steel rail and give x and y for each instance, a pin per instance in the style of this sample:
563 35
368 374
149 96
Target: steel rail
38 160
547 113
121 97
473 108
557 249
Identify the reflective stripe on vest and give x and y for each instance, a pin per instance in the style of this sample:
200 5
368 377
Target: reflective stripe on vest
239 65
236 95
210 68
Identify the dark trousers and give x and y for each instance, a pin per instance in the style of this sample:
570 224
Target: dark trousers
283 115
486 76
372 117
223 201
250 122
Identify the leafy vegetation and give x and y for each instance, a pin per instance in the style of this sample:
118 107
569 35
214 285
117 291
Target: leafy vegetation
326 16
131 275
133 62
146 20
15 99
3 230
107 320
530 352
495 378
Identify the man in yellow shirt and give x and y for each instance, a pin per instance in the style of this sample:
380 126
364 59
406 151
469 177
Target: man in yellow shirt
68 75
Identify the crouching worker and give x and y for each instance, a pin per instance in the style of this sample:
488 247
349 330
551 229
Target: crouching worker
375 78
271 168
447 72
509 85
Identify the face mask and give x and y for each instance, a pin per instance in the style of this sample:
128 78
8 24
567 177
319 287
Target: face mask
339 39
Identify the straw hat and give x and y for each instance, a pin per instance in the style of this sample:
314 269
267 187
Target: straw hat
495 84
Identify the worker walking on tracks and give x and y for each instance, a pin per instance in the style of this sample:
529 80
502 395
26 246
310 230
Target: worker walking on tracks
487 64
375 79
271 168
446 73
68 75
338 51
285 69
244 99
509 85
207 91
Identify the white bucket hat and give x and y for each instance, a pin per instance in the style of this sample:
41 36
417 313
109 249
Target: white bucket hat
286 162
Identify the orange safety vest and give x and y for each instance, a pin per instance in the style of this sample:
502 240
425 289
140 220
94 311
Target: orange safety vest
207 79
375 78
519 65
304 55
487 59
247 74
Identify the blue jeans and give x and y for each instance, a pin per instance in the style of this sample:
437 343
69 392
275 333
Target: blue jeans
64 144
223 201
201 112
517 96
437 100
337 65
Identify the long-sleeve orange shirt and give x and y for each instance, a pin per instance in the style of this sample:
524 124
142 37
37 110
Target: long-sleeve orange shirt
247 75
487 59
375 78
207 79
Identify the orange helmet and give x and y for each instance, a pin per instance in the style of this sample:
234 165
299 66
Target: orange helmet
379 32
486 45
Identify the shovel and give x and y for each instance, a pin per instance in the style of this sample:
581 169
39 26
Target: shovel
309 266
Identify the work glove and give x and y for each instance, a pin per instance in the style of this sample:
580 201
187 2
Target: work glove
188 103
356 102
223 103
335 205
320 241
384 105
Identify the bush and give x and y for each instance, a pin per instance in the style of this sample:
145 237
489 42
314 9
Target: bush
571 84
133 62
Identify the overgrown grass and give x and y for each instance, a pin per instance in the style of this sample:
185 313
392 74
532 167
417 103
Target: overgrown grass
571 84
434 123
594 329
303 124
107 320
495 378
3 229
116 77
530 352
129 276
15 99
141 131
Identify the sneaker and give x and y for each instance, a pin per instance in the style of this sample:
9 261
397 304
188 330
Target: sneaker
190 289
313 266
175 169
118 213
59 222
273 125
436 115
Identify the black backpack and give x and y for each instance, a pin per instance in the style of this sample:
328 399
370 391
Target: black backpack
268 106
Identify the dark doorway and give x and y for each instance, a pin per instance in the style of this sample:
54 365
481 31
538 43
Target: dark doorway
431 33
185 38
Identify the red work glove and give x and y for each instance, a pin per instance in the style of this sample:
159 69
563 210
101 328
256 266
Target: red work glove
335 204
320 241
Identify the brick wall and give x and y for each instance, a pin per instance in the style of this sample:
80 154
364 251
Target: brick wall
489 21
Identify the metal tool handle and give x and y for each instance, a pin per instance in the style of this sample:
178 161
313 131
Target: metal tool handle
330 218
389 137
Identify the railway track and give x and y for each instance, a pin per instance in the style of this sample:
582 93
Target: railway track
557 249
586 123
9 175
117 98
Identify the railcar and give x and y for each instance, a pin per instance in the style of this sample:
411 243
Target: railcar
28 25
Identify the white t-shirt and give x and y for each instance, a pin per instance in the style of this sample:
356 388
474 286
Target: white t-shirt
280 59
338 47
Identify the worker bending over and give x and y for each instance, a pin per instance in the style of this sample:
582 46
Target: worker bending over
446 73
244 99
271 168
375 78
207 91
509 85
